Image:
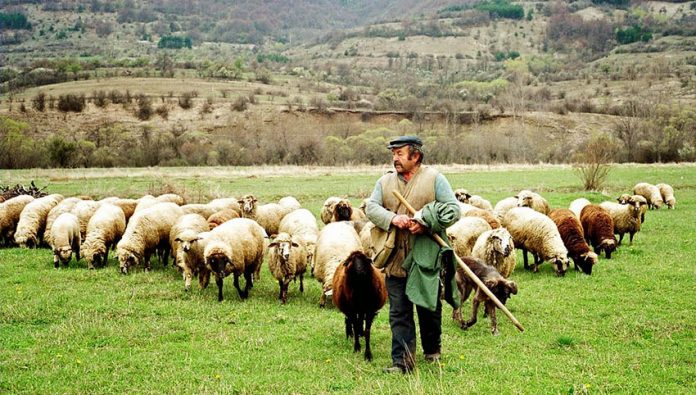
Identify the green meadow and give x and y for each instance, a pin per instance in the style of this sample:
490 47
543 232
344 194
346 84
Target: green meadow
627 328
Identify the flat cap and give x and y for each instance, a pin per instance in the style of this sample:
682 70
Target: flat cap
405 140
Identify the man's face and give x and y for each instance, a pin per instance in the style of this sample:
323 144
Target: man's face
403 162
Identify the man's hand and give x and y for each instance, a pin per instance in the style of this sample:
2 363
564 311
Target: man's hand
401 221
416 228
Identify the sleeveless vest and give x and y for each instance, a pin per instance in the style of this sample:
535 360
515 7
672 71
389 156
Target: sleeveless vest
419 191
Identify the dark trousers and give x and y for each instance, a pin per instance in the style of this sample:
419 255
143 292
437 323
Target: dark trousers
403 326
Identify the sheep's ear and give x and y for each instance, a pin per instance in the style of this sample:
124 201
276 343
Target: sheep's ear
178 239
512 286
255 200
516 197
294 244
274 244
490 284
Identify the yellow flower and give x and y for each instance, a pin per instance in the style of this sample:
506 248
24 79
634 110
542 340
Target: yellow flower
78 361
217 376
461 357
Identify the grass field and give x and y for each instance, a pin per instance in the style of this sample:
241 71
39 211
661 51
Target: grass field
628 328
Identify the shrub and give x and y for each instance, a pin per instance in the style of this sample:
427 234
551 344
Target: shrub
144 111
99 99
39 102
240 103
71 102
593 161
186 100
163 111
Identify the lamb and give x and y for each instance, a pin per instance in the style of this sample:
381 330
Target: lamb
475 200
187 222
502 207
10 211
626 218
32 220
171 197
147 231
496 248
127 206
64 206
104 231
226 203
65 237
201 209
497 284
221 217
651 193
267 215
327 210
535 232
635 199
667 193
598 228
290 203
463 234
190 258
577 205
573 237
287 260
235 247
84 211
302 224
359 292
532 200
337 240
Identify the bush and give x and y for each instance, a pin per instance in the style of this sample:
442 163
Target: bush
39 102
186 100
99 99
71 103
163 111
240 104
593 161
144 111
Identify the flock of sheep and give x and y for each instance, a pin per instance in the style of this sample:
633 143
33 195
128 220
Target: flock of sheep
232 236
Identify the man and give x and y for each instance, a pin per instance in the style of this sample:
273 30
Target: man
420 185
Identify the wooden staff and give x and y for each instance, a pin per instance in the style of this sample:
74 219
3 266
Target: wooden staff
466 269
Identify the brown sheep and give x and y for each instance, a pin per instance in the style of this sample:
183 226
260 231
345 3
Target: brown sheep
221 217
598 228
359 292
574 239
485 214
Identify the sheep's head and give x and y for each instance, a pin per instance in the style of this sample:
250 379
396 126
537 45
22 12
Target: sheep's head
95 259
310 248
126 259
358 264
525 199
502 243
26 241
248 204
624 198
343 210
217 262
586 262
63 253
187 239
608 245
560 264
283 244
462 195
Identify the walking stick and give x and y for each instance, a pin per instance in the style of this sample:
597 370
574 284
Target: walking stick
466 269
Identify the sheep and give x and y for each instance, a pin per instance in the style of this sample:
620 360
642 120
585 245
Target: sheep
359 292
598 228
651 193
502 288
573 237
221 217
201 209
235 247
366 240
127 206
144 202
463 234
64 206
327 210
10 211
535 232
147 231
267 215
475 200
190 258
488 216
635 199
577 205
32 220
104 231
532 200
303 224
290 203
667 193
502 207
65 237
172 198
226 203
626 218
193 222
336 241
496 248
84 211
287 260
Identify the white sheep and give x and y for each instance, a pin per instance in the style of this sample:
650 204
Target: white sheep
463 234
535 232
65 237
64 206
303 224
221 217
290 203
287 260
10 211
633 199
144 202
32 220
187 222
667 193
502 207
203 210
475 200
127 206
626 218
267 215
84 211
104 230
190 257
171 198
236 247
147 231
533 200
366 240
496 248
327 209
651 193
337 240
577 205
226 203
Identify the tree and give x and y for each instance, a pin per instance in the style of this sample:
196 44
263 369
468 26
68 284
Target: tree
593 161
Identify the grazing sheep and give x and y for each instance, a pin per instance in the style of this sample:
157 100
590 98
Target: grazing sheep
667 193
147 231
290 203
501 208
235 247
651 193
342 211
463 234
577 205
337 240
535 232
191 259
486 215
532 200
65 236
496 248
267 215
497 284
303 224
366 240
225 204
127 206
573 237
32 220
635 199
327 210
144 202
104 231
172 198
626 218
475 200
287 260
201 209
359 292
64 206
221 217
84 211
598 228
10 211
187 222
